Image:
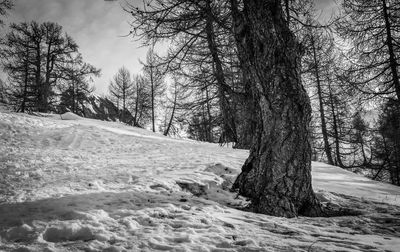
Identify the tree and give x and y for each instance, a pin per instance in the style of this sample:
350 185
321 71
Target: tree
388 148
372 31
141 102
122 89
35 56
77 75
154 77
3 91
17 56
277 174
199 32
317 61
173 109
5 5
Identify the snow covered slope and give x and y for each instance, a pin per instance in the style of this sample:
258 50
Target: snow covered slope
88 185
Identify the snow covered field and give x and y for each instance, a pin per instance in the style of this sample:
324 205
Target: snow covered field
87 185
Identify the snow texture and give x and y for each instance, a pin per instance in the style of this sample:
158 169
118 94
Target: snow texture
74 184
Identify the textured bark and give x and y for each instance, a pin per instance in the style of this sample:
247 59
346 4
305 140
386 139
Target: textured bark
277 174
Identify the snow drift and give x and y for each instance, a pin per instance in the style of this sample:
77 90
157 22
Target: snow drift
87 185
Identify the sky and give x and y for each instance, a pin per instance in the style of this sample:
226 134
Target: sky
99 27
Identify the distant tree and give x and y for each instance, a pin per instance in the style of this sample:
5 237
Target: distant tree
3 91
388 145
18 58
35 56
5 5
141 103
317 65
359 138
174 107
121 88
77 78
154 77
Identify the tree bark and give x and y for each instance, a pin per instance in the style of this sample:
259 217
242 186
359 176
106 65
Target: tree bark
277 174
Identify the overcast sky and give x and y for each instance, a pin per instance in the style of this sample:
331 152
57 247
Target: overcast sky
98 27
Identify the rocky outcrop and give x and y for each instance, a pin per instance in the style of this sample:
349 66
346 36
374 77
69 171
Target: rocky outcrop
101 108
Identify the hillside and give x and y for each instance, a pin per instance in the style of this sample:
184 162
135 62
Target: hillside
74 184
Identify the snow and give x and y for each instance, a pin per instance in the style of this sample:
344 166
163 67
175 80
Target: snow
70 116
334 179
88 185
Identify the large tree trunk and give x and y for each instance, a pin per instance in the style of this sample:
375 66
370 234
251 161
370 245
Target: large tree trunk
277 174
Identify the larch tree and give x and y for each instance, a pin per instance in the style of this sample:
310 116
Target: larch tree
154 76
141 104
190 25
5 5
317 63
277 174
76 89
372 30
34 55
17 54
121 88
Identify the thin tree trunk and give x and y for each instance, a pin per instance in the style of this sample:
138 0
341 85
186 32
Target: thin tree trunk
335 129
229 126
327 147
26 82
210 137
123 100
277 174
172 113
46 85
136 123
74 97
38 75
152 97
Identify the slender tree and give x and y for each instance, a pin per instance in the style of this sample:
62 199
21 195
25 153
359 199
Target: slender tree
35 55
77 77
121 88
17 54
154 76
141 104
317 63
5 5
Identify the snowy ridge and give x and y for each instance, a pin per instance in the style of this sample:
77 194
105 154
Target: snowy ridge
88 185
